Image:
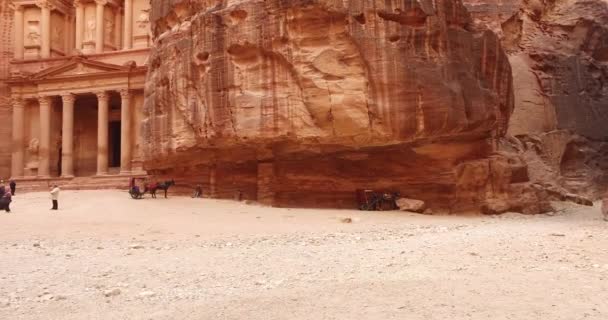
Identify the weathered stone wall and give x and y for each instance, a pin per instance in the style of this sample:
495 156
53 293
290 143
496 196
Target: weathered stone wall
6 53
559 56
333 95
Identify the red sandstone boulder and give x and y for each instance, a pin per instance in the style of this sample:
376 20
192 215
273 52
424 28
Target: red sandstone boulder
411 205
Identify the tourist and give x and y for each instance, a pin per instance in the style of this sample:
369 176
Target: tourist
13 186
198 191
5 201
55 197
2 188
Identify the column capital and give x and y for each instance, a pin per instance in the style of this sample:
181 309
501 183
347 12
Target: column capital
44 4
16 7
125 93
17 101
44 100
68 97
102 95
78 3
101 2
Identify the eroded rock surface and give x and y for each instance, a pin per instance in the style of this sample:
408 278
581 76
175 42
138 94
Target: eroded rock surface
299 103
559 56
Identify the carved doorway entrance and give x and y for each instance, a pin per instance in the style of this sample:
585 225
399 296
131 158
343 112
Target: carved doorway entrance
114 144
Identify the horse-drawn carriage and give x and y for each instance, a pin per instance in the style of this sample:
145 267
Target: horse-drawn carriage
370 200
135 188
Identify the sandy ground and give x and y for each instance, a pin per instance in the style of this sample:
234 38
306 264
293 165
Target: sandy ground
105 256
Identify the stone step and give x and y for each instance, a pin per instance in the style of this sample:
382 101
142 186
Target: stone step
77 183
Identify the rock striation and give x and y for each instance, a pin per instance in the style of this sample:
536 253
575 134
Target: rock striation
559 56
299 103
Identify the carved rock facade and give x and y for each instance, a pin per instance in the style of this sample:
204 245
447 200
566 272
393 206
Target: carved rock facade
299 103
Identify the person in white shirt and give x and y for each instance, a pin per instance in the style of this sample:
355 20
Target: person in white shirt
55 197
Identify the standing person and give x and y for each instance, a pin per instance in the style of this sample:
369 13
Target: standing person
13 186
55 197
2 188
5 201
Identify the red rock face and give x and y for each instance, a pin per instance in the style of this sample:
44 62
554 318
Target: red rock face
299 103
559 55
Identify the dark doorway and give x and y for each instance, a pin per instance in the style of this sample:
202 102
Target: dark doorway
114 145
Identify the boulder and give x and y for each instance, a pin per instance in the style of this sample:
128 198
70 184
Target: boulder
411 205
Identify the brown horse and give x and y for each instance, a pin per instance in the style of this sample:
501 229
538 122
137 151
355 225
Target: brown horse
153 187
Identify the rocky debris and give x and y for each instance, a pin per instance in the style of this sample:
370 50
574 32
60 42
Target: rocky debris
557 235
147 294
495 206
556 193
411 205
112 292
346 220
136 246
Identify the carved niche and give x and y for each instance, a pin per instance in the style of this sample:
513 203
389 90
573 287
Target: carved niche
33 33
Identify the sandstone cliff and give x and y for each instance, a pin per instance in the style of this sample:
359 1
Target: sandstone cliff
298 103
559 54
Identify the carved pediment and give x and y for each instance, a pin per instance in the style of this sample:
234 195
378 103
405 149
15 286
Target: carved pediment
77 67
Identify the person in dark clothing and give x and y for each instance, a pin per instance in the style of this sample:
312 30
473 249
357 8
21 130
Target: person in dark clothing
2 188
13 186
5 202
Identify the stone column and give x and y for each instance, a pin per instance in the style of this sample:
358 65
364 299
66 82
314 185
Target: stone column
99 26
117 28
125 131
67 136
128 33
102 133
45 21
18 143
18 32
67 24
79 24
45 137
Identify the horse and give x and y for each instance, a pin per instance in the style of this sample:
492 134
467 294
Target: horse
152 187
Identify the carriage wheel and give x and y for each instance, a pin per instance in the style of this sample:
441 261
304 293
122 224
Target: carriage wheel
133 195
